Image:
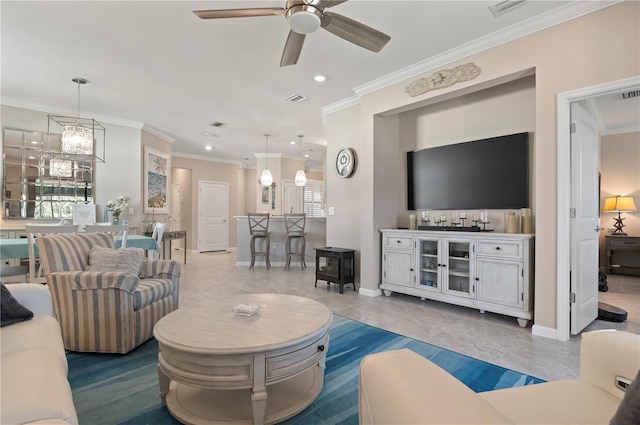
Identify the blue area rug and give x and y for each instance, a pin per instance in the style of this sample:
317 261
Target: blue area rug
116 389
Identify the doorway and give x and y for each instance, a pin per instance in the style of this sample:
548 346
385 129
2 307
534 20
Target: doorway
564 235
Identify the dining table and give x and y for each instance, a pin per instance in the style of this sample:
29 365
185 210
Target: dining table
18 248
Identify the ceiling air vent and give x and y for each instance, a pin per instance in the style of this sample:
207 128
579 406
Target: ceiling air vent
631 94
217 124
500 7
295 98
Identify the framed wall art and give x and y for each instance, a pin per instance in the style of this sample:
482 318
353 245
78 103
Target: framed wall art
157 172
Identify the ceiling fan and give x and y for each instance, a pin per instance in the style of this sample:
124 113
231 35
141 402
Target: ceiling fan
305 17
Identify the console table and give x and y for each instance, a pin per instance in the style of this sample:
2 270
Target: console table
170 235
623 252
335 265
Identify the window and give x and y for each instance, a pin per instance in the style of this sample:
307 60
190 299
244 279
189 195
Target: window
314 198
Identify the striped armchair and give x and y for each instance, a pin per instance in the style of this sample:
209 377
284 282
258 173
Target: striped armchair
105 312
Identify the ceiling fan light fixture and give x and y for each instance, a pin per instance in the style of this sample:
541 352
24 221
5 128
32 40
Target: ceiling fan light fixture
304 19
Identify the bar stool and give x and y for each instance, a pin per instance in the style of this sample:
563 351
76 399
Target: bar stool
259 229
295 230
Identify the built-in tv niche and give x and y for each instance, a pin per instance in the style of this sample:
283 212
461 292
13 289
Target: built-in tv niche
489 173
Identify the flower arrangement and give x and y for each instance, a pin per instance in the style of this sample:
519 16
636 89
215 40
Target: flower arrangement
118 206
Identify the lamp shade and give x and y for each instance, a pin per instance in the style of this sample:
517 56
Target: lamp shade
619 204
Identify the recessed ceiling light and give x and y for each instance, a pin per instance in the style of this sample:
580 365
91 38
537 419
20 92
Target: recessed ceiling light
319 78
293 142
306 155
208 147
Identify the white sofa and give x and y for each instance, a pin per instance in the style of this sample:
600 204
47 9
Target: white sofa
402 387
33 364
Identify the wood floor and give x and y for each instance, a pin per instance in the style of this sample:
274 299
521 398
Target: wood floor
490 337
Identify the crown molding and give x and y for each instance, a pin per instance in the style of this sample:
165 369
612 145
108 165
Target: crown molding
208 159
341 104
571 11
158 133
631 128
50 109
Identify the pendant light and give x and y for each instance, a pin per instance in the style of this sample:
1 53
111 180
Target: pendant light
266 178
301 178
60 167
77 139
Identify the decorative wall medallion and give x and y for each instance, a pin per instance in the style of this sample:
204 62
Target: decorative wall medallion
345 162
443 78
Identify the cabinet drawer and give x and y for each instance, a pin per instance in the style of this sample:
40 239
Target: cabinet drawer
502 248
624 243
399 241
286 365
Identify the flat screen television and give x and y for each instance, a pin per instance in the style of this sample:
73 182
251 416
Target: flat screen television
483 174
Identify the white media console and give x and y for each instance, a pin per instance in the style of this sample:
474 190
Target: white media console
483 270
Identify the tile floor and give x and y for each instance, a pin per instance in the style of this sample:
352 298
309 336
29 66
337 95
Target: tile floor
489 337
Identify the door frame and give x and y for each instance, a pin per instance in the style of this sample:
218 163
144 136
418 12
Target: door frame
563 241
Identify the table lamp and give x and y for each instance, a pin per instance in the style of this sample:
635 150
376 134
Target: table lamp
619 204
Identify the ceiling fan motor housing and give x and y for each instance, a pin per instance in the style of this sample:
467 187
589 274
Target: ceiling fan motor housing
303 18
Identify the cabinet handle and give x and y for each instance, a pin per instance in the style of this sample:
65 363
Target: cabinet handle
498 248
439 265
411 270
320 347
477 278
398 241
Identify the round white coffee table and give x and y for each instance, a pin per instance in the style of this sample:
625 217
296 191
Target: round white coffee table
215 366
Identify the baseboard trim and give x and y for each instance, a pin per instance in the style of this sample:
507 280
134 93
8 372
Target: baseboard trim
544 331
370 292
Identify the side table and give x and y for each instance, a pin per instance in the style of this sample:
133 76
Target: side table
335 265
625 252
170 235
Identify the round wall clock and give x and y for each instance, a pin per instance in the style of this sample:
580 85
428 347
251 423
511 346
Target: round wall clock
345 162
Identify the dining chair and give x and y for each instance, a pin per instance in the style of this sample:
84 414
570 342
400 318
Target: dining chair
259 230
118 231
158 232
35 230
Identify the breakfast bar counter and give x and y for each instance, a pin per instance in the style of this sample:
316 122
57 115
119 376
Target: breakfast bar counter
316 236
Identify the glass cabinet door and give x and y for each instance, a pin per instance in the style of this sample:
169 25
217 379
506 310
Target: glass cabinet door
458 267
429 264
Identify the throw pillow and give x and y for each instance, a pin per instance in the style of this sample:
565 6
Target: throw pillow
11 311
629 410
127 260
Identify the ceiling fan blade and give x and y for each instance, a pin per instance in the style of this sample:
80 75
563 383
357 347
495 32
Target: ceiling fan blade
239 13
354 31
292 49
329 3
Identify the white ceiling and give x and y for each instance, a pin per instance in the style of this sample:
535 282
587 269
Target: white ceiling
155 62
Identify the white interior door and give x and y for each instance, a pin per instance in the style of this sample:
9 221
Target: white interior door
291 197
213 223
584 218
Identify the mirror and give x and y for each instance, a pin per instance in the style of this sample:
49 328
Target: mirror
38 180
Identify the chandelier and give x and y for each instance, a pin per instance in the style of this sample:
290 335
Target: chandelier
59 167
76 135
301 178
266 178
